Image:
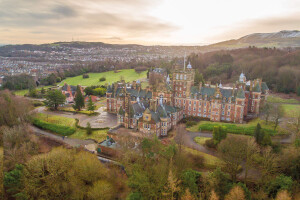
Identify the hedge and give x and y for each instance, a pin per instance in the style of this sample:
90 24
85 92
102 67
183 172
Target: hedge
60 129
232 128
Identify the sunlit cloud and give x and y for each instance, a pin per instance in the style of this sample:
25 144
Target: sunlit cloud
142 21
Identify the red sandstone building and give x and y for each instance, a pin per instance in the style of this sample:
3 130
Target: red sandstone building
157 110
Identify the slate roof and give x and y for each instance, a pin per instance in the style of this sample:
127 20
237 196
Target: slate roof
72 87
264 87
132 92
257 88
240 94
210 92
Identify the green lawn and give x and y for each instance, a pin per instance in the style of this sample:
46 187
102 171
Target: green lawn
128 75
98 135
245 129
291 110
210 161
201 140
23 92
276 99
54 119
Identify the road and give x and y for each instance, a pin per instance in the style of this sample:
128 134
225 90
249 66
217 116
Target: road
188 141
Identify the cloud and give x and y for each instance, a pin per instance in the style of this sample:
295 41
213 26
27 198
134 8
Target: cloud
87 19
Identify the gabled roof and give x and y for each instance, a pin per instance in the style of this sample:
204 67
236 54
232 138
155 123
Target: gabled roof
240 94
264 87
257 88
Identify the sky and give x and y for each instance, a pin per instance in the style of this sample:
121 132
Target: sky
148 22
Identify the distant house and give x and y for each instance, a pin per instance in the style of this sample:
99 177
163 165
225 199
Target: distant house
70 92
94 98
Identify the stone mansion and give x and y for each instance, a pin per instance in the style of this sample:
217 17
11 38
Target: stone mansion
157 109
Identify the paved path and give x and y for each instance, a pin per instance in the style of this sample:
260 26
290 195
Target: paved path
70 141
188 141
103 120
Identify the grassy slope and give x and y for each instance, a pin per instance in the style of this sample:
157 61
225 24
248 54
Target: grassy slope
128 74
276 99
210 161
201 140
23 92
291 110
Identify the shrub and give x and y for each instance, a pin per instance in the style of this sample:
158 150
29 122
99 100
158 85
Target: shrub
38 103
196 160
190 123
279 183
233 128
85 76
210 144
102 79
60 129
140 69
190 179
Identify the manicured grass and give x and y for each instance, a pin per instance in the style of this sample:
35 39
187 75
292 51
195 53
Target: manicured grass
276 99
23 92
210 161
245 129
98 135
60 129
291 110
201 140
71 109
55 119
128 75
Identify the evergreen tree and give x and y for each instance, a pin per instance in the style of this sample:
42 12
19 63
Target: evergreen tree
91 106
198 78
54 98
258 134
89 129
79 99
219 133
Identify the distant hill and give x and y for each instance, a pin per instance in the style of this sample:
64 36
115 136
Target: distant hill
280 39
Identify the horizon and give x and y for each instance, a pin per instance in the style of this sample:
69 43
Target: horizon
166 23
171 44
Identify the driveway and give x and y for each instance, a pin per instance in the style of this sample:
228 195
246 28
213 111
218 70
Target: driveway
103 120
188 140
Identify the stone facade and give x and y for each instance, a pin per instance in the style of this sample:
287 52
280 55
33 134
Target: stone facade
150 110
157 110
